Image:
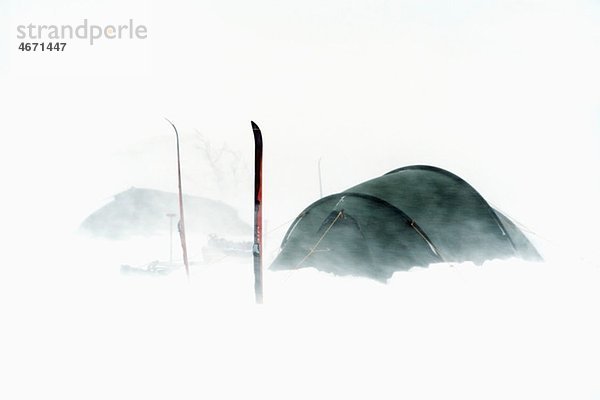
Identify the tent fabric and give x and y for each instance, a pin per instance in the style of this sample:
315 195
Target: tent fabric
143 212
412 216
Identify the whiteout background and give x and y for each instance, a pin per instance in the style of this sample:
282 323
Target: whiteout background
502 93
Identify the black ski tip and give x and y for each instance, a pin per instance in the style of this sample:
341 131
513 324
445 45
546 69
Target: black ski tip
254 126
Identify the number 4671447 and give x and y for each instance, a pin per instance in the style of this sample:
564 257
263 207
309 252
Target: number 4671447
43 46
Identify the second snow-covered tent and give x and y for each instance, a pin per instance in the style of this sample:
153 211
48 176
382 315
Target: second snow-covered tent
412 216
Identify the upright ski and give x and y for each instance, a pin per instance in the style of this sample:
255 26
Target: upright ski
181 225
257 247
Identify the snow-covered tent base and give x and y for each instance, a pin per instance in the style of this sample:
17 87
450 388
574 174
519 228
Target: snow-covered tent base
412 216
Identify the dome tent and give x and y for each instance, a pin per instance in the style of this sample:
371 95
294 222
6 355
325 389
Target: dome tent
143 212
412 216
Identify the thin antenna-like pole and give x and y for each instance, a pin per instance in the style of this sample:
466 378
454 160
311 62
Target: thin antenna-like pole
257 247
181 224
320 180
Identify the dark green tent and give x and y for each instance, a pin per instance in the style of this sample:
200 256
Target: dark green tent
412 216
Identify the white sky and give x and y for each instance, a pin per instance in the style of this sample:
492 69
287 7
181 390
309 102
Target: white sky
503 93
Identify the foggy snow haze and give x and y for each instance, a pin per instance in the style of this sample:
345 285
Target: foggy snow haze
503 93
